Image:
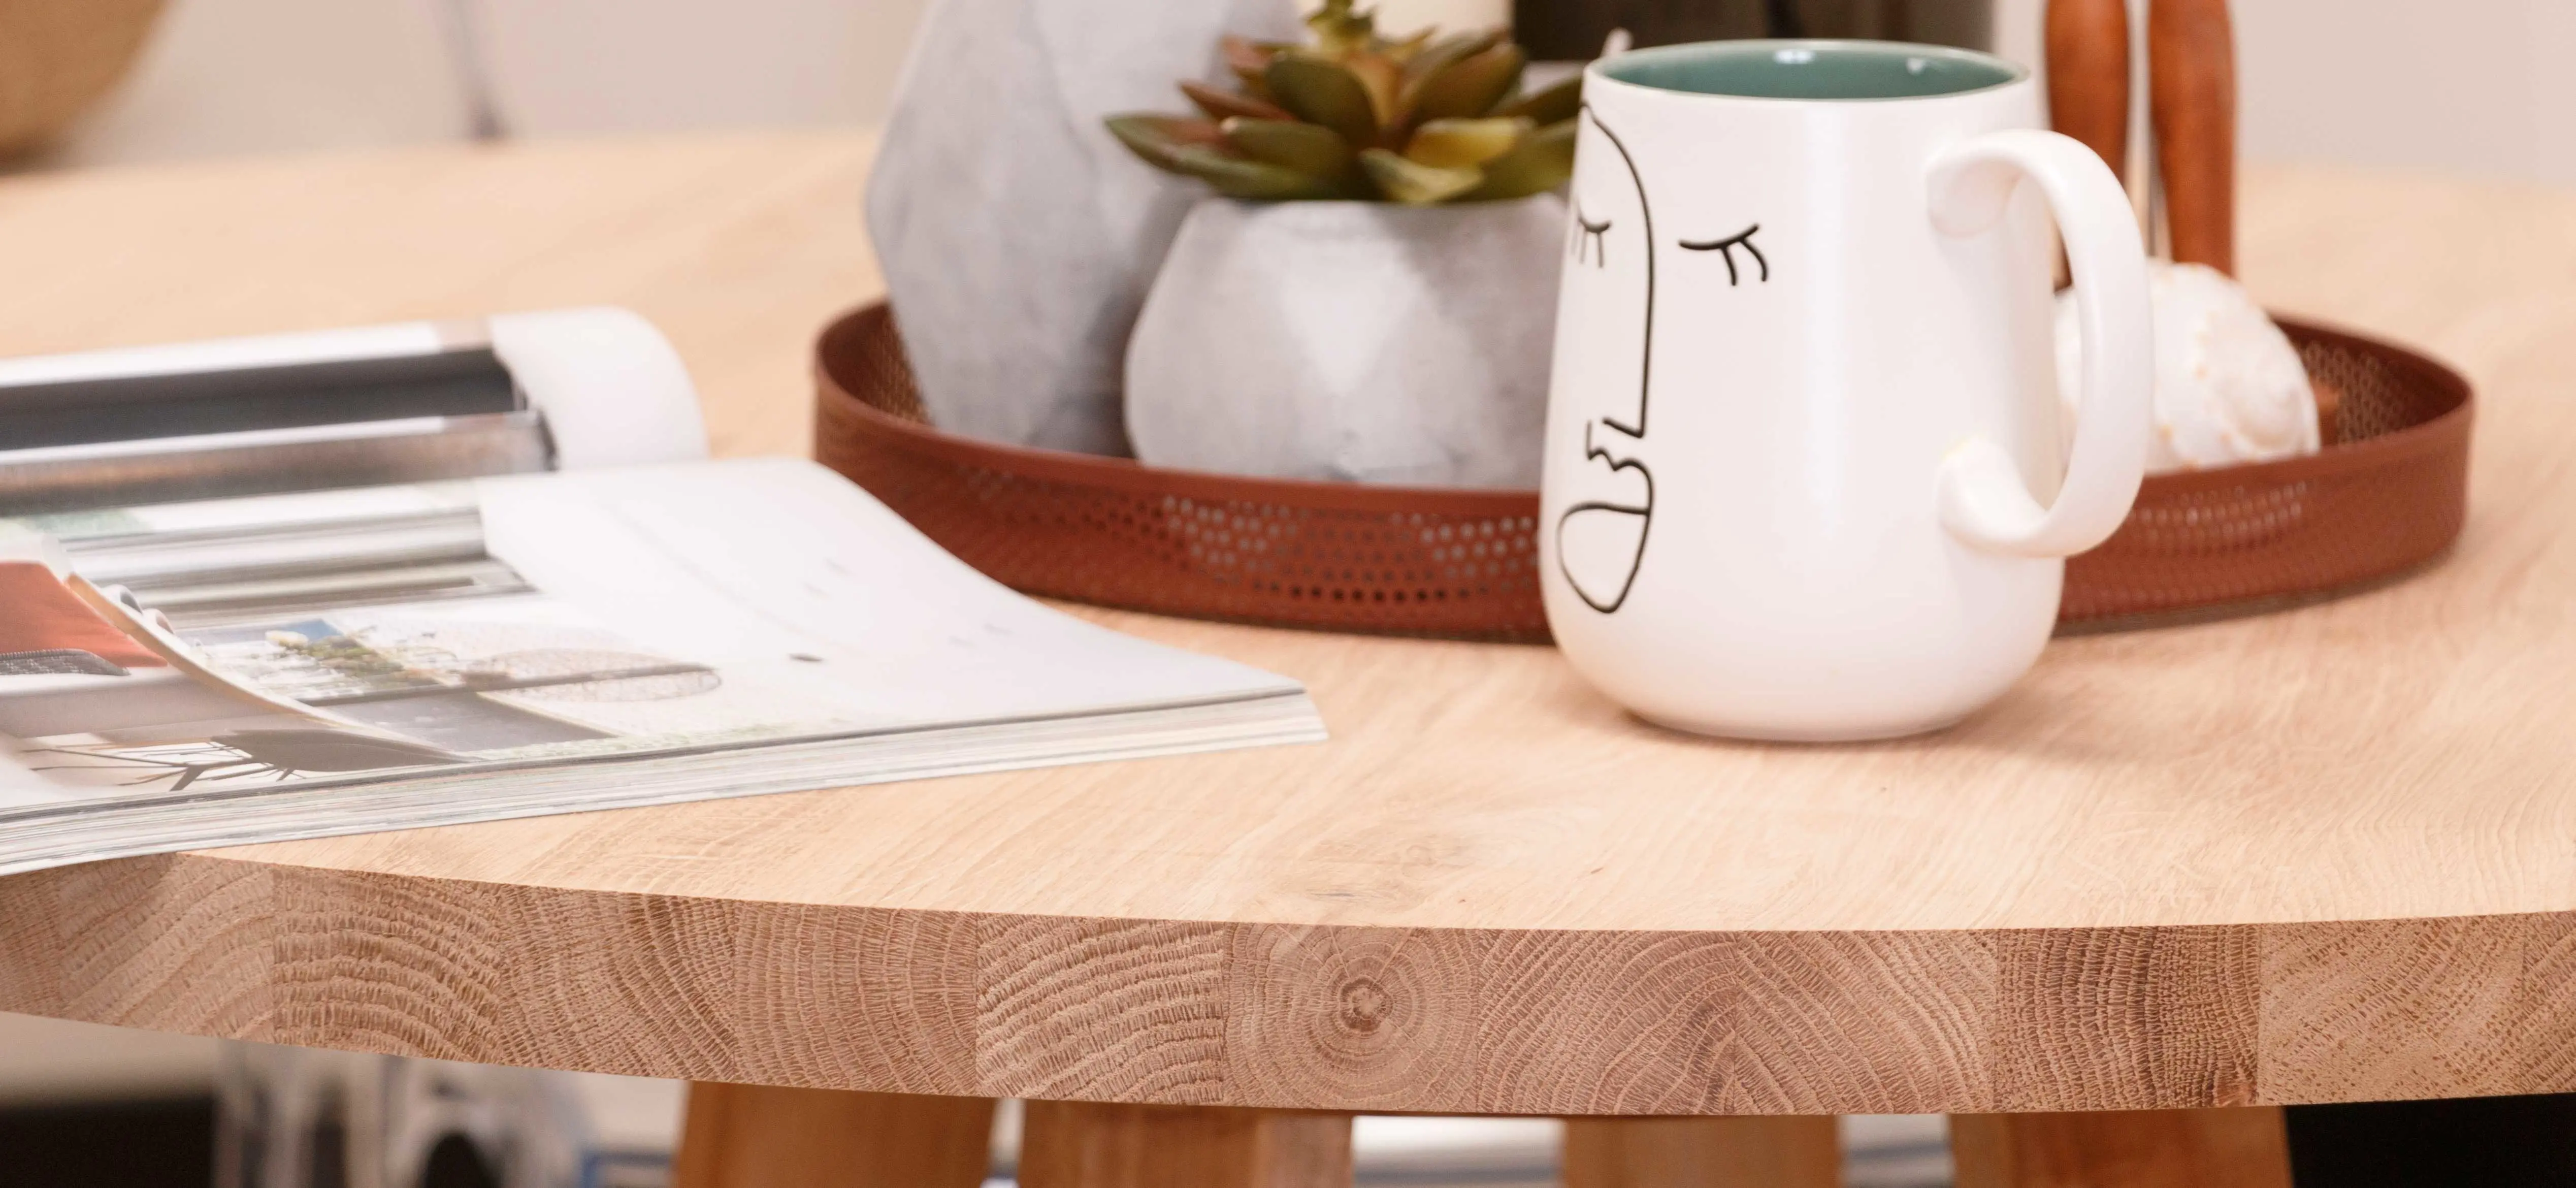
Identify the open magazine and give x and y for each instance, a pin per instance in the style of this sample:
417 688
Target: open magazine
194 674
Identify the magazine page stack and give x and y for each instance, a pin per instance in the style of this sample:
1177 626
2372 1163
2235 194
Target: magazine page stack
212 672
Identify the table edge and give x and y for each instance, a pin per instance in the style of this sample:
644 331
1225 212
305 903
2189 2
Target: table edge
1362 1017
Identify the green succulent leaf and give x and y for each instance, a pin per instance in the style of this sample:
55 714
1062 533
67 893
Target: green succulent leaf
1542 162
1160 138
1249 61
1419 119
1439 54
1434 59
1322 91
1220 105
1409 47
1415 184
1383 77
1340 27
1243 53
1470 86
1465 144
1307 148
1241 177
1559 102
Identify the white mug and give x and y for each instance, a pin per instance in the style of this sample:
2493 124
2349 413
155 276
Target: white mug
1804 476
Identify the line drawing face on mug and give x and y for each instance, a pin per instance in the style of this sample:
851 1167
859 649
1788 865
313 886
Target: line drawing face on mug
1601 536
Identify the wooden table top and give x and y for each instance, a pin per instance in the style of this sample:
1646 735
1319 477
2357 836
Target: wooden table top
2328 854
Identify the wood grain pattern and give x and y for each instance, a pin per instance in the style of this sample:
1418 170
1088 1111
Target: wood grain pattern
2176 868
169 944
2191 73
1104 1010
1090 1145
875 998
2229 1148
29 984
363 961
2389 1010
1355 1018
2088 75
2545 1007
2128 1017
1702 1153
1757 1024
759 1136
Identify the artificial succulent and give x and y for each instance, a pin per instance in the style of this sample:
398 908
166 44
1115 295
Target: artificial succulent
1353 115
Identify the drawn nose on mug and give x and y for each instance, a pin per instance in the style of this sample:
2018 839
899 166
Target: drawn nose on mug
1804 476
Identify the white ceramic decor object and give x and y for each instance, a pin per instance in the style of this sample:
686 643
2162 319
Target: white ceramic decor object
1804 478
2230 389
1351 341
1017 237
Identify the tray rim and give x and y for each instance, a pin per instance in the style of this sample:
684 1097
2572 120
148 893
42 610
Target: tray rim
1134 477
2436 435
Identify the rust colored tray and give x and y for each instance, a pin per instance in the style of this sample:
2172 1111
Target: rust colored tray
2388 498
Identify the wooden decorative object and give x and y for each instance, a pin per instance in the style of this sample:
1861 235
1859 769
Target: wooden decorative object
1087 1145
2191 67
759 1136
2245 1147
1788 1152
58 56
1397 560
2088 75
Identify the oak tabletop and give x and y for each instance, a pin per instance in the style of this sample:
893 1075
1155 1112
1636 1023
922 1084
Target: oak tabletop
2325 854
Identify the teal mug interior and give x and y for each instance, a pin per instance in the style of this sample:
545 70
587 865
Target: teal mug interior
1812 69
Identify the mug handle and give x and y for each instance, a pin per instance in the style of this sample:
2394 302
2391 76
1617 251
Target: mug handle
1983 500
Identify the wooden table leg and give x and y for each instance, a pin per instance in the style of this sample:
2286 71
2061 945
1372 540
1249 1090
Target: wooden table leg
2245 1147
1702 1153
1066 1144
758 1136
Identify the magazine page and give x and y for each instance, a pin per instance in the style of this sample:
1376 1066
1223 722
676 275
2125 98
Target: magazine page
282 645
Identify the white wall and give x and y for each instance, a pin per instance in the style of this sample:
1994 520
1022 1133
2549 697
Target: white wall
2484 86
581 66
233 77
2476 86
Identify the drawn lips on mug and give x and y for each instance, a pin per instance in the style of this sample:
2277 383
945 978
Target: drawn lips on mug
1601 536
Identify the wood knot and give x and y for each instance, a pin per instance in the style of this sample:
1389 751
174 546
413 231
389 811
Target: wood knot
1364 1004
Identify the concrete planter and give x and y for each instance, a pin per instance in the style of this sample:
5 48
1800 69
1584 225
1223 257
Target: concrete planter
1351 341
1017 236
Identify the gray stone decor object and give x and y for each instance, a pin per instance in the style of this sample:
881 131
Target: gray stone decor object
1351 341
1016 235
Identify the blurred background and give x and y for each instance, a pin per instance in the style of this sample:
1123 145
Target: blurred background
2485 87
2463 86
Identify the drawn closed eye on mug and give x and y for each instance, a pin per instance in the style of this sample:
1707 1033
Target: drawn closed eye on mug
1726 249
1591 239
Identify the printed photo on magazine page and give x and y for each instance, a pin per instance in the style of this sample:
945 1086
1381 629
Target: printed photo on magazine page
344 663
